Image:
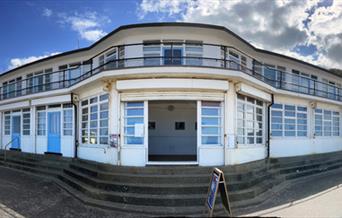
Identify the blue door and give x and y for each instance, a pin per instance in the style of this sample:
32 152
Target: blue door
54 132
15 132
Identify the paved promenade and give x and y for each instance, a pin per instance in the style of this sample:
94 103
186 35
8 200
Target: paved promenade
317 196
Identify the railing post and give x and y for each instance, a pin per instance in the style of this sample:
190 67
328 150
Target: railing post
172 53
91 67
225 56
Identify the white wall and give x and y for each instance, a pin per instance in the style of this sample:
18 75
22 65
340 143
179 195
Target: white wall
295 146
103 154
245 154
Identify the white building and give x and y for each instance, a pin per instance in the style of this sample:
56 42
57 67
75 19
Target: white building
171 93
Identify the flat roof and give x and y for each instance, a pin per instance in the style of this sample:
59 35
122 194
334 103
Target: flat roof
161 24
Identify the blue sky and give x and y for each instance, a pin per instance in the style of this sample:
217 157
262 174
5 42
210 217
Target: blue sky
35 29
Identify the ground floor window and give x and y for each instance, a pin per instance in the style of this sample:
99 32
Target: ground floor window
211 123
67 119
289 120
41 120
134 123
327 123
24 115
26 121
94 120
250 120
7 123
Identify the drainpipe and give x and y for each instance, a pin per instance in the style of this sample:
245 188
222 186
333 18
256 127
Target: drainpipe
268 125
75 124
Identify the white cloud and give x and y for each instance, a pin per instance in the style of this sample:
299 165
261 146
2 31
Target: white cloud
273 25
16 62
92 35
88 25
47 12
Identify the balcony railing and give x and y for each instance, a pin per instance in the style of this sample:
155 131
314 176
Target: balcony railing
67 78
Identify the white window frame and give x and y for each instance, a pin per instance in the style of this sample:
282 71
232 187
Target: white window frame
23 122
67 108
144 107
89 105
296 123
44 130
323 120
255 121
219 126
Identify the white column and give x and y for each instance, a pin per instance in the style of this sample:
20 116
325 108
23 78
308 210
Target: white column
33 128
199 129
114 116
2 127
146 130
230 122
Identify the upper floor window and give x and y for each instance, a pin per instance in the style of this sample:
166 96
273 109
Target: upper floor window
193 52
114 58
151 52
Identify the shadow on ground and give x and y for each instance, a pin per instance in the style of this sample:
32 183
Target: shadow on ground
298 190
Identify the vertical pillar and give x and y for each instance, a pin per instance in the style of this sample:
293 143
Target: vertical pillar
199 130
33 128
2 127
114 116
146 130
230 122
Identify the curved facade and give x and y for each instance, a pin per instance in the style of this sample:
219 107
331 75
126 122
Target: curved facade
171 93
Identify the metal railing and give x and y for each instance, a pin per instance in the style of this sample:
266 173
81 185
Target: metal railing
69 77
6 146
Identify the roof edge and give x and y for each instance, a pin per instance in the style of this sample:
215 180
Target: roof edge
161 24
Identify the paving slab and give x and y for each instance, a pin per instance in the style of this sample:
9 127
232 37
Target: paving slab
323 204
33 196
315 196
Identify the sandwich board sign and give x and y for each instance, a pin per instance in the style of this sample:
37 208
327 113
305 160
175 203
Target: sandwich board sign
218 183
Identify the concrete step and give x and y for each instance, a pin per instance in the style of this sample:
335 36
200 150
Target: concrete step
137 199
190 177
35 164
137 210
313 157
171 170
40 171
308 166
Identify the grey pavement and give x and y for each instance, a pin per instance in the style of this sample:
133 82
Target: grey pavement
315 196
323 204
32 196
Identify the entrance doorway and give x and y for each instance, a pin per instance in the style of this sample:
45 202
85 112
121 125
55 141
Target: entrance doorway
172 131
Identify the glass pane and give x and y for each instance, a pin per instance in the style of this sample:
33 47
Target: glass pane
210 111
134 112
210 130
134 140
210 121
210 140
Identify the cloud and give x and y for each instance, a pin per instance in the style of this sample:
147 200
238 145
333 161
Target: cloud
16 62
88 25
47 12
278 26
93 35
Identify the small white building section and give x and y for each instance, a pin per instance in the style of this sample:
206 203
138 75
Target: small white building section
171 94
